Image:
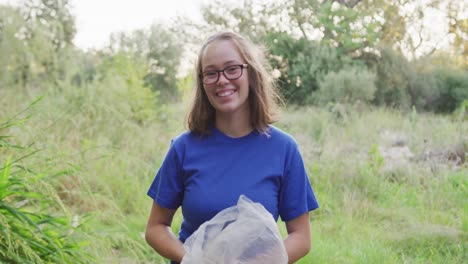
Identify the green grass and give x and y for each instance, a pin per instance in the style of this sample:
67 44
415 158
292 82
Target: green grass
373 214
370 212
35 226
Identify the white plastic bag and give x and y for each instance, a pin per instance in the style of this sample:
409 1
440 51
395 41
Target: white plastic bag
242 234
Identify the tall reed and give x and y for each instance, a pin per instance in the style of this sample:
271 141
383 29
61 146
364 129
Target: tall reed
35 226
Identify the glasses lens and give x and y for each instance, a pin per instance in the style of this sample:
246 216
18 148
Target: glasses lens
210 77
233 72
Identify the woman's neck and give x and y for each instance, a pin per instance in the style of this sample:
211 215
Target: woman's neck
234 124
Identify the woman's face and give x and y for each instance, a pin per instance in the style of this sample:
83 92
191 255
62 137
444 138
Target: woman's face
226 96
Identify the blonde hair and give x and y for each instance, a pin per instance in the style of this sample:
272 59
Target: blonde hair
263 96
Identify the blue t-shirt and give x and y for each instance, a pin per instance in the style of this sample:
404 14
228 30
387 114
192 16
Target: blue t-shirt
207 174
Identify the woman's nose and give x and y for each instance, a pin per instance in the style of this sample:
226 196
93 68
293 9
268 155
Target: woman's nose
222 79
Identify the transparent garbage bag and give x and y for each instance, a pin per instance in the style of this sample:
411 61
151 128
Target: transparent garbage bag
242 234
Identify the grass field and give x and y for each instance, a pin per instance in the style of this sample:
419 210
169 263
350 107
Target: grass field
392 186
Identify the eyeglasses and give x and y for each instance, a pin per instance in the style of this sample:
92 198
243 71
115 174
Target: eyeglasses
232 72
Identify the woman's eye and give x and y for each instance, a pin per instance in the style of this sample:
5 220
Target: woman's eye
231 69
211 74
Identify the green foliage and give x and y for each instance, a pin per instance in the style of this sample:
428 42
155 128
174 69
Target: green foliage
423 89
301 64
160 52
348 86
348 29
55 18
458 26
49 32
122 76
452 86
431 83
461 113
438 84
393 29
394 76
254 19
375 212
14 58
351 26
32 229
376 161
35 39
95 126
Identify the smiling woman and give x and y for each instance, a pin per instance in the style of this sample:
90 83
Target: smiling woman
231 149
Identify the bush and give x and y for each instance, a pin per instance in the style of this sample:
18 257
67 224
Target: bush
452 85
394 77
120 84
423 90
439 85
349 85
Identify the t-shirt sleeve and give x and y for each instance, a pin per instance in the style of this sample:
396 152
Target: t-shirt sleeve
296 194
167 187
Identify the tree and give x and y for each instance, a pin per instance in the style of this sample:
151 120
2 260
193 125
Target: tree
337 23
458 28
160 50
254 19
300 64
36 41
394 76
55 18
14 57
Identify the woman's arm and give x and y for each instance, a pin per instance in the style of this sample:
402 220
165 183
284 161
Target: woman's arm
159 234
297 242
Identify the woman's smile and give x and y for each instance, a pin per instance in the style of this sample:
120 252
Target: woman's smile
226 92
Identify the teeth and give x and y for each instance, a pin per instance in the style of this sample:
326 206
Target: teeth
225 93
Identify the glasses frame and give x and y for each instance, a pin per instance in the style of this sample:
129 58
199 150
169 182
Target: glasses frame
242 67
